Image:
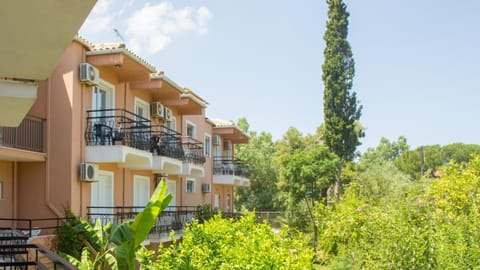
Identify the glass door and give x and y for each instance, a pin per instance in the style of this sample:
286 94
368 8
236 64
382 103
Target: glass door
102 197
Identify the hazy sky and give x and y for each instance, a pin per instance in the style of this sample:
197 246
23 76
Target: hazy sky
417 63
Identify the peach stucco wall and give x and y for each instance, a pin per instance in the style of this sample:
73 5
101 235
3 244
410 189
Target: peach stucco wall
202 127
65 132
8 193
223 191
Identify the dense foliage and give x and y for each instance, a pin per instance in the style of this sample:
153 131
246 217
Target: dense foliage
431 224
233 244
262 195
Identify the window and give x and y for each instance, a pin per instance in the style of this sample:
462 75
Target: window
227 147
172 125
191 130
190 185
141 190
207 145
142 108
1 190
103 96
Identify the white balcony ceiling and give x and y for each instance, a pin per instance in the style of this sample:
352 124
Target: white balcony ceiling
36 33
16 98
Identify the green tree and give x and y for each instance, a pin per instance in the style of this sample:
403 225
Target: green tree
262 194
460 152
411 162
308 173
341 112
385 151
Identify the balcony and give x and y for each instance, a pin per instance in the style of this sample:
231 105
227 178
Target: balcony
122 137
228 171
172 218
23 143
167 150
118 136
194 157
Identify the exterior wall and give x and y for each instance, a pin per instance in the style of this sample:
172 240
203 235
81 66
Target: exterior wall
64 132
223 191
8 196
33 191
202 127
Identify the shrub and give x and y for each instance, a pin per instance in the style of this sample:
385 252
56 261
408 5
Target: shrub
236 244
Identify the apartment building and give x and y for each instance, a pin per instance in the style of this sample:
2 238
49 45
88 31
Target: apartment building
105 128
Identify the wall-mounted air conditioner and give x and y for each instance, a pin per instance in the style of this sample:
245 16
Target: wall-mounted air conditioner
206 188
168 114
88 172
157 110
216 140
89 74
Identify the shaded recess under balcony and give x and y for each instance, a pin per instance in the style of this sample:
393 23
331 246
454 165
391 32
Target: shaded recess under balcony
229 171
122 137
23 143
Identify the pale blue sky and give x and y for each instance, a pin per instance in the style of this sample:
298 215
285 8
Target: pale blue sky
416 61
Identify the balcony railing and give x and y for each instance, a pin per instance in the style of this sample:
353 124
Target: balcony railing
27 136
33 227
117 126
172 218
193 151
166 142
229 166
122 127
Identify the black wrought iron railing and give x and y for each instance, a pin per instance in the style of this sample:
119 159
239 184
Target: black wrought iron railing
172 218
166 142
122 127
27 136
30 256
193 151
117 126
17 253
33 226
229 166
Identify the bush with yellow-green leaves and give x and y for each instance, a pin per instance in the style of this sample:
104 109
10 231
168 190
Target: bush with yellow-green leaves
432 224
233 244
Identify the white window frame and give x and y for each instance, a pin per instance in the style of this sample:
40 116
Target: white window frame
172 124
194 135
140 178
194 183
145 105
109 88
207 146
173 183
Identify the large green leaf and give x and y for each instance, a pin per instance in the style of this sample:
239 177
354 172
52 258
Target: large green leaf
146 219
121 233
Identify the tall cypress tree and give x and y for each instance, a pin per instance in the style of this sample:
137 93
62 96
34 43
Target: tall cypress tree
341 111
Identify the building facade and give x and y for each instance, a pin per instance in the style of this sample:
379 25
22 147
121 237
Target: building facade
104 129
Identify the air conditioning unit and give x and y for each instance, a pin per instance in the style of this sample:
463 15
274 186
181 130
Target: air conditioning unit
89 74
157 110
88 172
216 140
168 114
206 188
